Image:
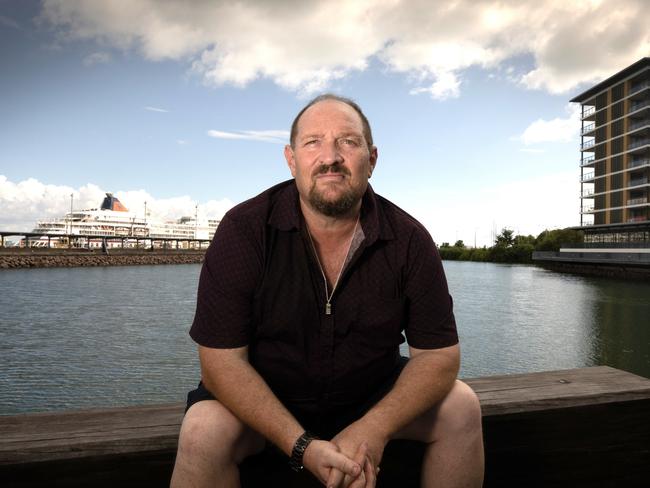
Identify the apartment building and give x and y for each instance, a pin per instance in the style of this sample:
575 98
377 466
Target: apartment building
615 157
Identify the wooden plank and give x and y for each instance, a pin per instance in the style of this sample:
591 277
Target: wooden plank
557 389
50 436
582 427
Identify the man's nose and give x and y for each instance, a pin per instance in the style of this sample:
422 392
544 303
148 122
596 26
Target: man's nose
330 153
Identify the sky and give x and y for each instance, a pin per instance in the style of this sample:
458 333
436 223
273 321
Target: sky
180 104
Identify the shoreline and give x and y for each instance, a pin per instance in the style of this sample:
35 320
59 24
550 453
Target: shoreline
72 258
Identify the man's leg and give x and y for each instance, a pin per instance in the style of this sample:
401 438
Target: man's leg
454 455
211 444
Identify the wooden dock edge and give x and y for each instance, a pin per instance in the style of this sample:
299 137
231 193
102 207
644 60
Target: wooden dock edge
580 427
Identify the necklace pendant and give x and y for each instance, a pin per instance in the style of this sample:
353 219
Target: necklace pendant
328 308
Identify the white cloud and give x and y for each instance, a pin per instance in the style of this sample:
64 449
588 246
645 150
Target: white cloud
555 130
97 58
446 86
22 204
305 45
156 109
274 136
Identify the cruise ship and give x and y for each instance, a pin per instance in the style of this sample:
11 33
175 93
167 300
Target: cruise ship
113 219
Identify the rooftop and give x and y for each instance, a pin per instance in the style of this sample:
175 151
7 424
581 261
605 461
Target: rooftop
621 75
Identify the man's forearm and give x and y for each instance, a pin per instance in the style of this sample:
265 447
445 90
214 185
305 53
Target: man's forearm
239 387
424 382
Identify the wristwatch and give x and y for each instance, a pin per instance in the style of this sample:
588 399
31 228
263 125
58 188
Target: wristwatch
299 449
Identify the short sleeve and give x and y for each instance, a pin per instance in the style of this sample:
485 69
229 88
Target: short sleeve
230 273
431 323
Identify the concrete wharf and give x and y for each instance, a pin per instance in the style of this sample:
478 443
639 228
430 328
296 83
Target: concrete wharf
587 427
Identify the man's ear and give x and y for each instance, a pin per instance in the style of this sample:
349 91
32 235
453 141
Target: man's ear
373 160
291 161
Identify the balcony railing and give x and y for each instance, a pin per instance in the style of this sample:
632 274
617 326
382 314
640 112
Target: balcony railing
639 86
588 144
587 209
637 201
641 123
588 176
588 128
636 106
640 218
635 163
587 160
638 182
587 194
638 143
586 112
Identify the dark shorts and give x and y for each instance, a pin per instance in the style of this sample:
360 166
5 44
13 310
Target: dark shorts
324 424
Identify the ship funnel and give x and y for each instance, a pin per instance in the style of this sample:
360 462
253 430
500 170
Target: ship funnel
112 203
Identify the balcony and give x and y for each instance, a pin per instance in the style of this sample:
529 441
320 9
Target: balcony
588 176
638 143
636 125
587 209
587 144
588 128
636 163
637 201
639 86
640 218
638 105
638 182
587 111
587 193
587 161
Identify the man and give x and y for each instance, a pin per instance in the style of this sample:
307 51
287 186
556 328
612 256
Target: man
302 299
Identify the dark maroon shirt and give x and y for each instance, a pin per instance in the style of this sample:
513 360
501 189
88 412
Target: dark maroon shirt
262 287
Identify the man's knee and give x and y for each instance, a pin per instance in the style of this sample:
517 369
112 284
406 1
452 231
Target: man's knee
460 411
210 430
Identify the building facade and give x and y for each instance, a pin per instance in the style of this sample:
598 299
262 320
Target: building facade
615 157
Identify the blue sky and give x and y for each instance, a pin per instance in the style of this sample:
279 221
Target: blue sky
189 103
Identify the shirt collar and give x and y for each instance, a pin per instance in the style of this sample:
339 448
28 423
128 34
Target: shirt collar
286 215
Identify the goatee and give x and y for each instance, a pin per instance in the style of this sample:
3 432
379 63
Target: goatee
339 206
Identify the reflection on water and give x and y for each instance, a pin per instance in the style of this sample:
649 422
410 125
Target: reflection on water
82 337
515 318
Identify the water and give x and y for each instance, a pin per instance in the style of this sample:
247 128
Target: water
98 337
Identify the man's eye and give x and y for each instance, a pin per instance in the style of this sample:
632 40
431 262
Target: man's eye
311 142
349 142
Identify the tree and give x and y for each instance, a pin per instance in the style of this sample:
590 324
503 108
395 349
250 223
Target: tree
552 240
505 239
460 244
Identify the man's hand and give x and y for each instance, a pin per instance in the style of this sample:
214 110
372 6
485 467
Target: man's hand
322 458
365 444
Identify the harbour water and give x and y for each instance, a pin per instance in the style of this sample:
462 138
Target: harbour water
96 337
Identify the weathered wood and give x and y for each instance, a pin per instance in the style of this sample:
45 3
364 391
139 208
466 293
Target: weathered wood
583 427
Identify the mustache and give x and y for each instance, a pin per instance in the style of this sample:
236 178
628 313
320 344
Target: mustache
331 168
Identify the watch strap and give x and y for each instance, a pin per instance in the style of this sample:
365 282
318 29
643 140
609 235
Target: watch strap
299 450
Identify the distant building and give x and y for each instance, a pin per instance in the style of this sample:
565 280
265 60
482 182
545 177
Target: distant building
615 157
614 179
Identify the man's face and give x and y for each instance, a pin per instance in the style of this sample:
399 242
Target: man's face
331 160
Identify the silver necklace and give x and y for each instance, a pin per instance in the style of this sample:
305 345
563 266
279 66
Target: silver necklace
328 295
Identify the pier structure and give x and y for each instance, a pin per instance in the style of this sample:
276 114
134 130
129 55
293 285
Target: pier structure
88 241
587 427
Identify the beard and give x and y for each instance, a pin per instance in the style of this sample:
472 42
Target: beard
336 207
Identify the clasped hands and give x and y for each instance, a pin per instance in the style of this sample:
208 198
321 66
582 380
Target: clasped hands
349 460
